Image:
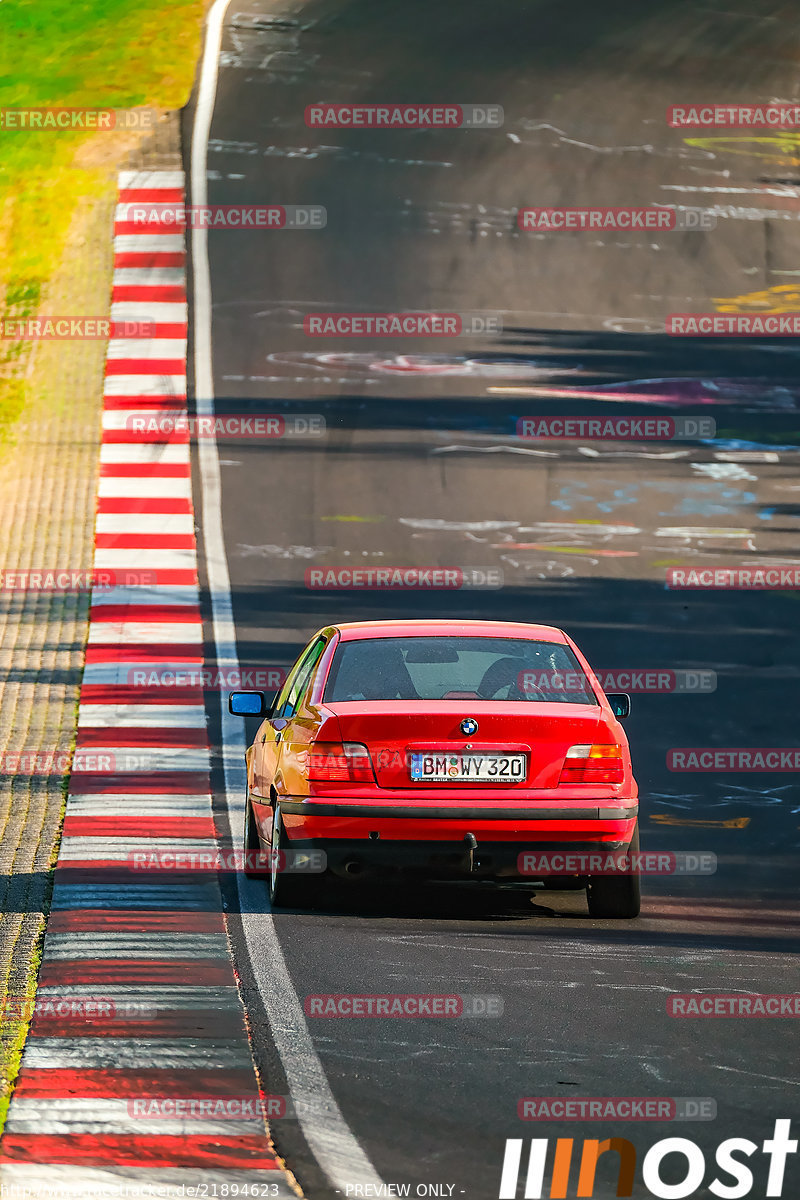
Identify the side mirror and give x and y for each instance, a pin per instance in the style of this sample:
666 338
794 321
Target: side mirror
250 704
620 704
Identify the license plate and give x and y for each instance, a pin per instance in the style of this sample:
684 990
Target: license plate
474 768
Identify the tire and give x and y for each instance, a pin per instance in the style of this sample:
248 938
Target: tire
616 897
252 845
286 890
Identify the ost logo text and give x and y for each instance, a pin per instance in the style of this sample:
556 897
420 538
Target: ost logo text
728 1159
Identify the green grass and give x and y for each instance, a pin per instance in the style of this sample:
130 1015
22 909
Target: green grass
65 54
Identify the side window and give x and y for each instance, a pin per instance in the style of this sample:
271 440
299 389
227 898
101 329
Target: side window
295 686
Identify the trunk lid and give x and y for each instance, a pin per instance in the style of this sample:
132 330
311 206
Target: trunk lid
395 730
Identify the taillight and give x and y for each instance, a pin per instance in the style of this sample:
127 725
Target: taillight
339 762
593 764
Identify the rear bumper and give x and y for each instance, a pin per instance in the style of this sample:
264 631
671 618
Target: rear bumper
435 841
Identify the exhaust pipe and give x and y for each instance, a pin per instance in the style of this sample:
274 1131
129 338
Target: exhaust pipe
353 867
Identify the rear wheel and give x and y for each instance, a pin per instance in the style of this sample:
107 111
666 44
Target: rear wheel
616 897
286 890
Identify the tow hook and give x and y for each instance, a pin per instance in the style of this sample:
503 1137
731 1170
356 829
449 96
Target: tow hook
472 845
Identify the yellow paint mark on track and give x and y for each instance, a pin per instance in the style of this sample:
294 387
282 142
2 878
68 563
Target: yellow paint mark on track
784 298
699 823
592 553
782 148
343 517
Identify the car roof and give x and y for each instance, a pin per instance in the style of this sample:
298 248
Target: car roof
355 630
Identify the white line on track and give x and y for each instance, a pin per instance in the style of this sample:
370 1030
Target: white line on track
132 1000
133 420
146 486
148 277
145 674
146 523
156 943
145 385
139 759
145 558
117 849
149 243
332 1142
134 1054
161 311
176 593
102 1117
95 716
151 181
137 632
108 805
145 453
146 348
127 210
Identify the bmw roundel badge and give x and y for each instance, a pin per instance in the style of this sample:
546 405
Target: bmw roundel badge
469 726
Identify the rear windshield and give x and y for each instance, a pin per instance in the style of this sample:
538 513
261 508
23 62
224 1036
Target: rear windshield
456 668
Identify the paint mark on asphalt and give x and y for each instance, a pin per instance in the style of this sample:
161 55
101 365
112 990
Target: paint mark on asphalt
781 148
722 471
565 549
355 519
699 823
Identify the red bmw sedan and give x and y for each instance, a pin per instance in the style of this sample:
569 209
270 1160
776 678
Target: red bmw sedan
442 750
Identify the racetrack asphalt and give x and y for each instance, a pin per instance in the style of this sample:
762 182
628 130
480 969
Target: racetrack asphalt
420 466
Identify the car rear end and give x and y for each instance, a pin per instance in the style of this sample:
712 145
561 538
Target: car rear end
397 785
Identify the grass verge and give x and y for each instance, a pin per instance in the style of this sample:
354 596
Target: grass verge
109 54
63 54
